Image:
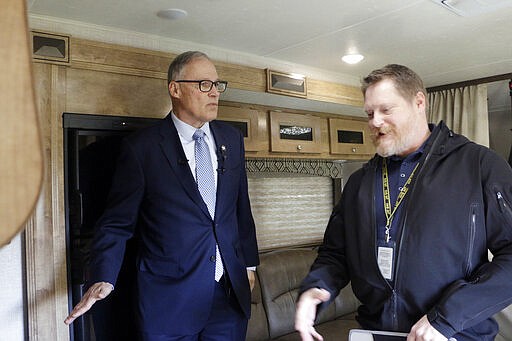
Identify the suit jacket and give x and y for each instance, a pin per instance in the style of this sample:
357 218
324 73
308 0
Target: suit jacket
155 196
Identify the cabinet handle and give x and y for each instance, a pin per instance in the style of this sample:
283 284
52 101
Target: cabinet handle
299 147
354 150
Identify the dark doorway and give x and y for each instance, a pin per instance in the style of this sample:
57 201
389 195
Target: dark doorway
91 146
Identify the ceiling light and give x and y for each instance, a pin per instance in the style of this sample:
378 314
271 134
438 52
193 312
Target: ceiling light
172 14
352 58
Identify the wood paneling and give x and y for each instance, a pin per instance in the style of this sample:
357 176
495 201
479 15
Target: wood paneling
119 59
334 93
86 54
242 77
45 232
128 60
108 79
91 91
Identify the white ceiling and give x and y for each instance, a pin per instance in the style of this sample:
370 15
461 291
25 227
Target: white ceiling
440 45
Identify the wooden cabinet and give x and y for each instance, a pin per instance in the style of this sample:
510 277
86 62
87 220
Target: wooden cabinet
298 133
350 137
279 134
252 123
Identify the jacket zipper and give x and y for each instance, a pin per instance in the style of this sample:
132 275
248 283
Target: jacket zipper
472 233
395 309
404 220
503 205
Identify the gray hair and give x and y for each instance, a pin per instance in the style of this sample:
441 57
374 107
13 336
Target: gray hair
179 63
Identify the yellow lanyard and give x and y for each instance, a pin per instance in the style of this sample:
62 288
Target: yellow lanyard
387 197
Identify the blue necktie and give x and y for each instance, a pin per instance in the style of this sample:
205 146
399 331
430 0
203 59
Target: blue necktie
206 185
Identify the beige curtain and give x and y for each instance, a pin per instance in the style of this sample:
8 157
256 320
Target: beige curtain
464 110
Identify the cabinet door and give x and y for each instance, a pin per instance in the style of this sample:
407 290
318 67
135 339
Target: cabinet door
350 137
252 124
294 133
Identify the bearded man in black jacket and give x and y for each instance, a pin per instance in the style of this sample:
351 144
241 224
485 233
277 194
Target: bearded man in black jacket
414 225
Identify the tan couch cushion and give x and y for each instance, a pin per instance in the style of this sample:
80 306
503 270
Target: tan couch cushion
258 325
332 330
281 273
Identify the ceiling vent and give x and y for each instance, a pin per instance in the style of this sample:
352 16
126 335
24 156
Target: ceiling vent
471 8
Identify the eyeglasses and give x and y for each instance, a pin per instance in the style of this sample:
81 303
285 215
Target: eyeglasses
206 85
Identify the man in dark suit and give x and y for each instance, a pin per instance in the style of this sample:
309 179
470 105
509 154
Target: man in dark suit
196 254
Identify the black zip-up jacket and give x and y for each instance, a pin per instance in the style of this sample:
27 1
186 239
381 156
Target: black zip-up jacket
457 208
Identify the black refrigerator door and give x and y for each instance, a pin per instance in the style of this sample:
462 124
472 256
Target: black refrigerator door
91 148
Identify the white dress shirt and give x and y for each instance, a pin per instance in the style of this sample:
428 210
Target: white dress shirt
185 132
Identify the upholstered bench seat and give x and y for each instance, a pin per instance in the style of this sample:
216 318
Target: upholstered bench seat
275 296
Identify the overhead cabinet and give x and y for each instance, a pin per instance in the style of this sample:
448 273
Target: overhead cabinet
252 124
297 133
350 137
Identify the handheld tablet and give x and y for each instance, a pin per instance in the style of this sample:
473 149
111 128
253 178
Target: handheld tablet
375 335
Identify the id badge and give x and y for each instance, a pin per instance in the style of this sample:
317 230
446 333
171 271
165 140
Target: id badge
385 258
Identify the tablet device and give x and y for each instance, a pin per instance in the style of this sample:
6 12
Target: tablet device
375 335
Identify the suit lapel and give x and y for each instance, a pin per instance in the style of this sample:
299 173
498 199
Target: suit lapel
224 157
173 151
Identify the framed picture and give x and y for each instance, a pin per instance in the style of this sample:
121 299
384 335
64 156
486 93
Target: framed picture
50 47
286 84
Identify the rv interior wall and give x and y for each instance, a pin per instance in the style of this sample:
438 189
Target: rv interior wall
12 314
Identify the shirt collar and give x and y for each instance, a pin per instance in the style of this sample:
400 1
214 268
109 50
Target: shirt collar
186 131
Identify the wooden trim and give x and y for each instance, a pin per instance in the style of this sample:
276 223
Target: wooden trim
31 281
242 77
45 234
313 244
81 65
334 93
477 81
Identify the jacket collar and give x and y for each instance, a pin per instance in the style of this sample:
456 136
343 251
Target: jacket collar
170 145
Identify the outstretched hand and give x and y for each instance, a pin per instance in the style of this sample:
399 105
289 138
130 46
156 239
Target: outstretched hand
306 313
423 331
96 292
